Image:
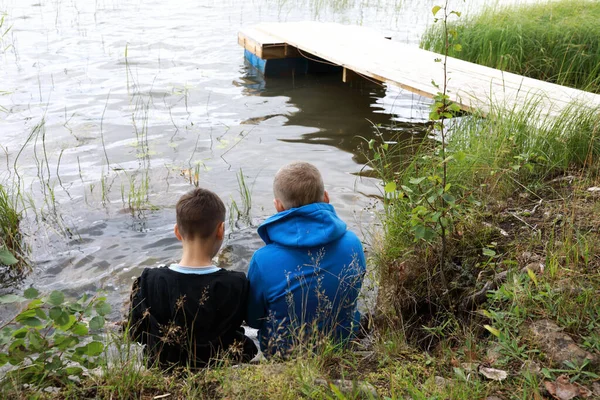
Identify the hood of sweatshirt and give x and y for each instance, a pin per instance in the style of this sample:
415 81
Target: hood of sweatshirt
308 226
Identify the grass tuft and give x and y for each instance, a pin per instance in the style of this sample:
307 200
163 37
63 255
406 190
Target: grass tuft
11 250
554 41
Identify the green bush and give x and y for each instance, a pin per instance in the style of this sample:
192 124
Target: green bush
51 340
556 41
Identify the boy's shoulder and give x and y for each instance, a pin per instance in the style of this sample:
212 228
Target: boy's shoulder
164 272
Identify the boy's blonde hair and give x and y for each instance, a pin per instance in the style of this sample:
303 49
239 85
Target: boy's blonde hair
298 184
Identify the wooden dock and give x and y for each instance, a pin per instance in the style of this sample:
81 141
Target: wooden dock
275 48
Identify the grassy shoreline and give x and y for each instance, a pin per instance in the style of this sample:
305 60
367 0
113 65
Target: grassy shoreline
11 251
554 41
523 253
535 224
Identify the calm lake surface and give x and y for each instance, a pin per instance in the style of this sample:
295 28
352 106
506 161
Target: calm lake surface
109 105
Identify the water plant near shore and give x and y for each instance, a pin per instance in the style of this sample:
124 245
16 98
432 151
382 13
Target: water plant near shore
10 235
554 41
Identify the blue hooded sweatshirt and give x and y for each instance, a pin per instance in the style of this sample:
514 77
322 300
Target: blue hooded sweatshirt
308 275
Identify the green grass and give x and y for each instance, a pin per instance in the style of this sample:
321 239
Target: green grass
494 156
508 149
555 41
520 183
10 235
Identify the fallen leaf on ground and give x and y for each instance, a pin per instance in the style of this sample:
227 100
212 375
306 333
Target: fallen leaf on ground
493 374
563 389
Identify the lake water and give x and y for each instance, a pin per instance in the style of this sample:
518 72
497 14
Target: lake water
112 105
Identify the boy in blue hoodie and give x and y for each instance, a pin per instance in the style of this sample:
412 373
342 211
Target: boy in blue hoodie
305 282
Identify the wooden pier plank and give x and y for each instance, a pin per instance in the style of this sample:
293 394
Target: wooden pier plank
473 86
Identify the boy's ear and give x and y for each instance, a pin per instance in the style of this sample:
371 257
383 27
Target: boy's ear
221 231
325 197
278 205
177 233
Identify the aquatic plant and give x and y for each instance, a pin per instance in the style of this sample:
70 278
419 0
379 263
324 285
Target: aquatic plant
554 41
10 235
242 212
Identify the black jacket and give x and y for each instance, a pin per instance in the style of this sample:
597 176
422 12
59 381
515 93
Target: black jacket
189 319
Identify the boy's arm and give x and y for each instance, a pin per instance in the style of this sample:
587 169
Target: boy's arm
257 306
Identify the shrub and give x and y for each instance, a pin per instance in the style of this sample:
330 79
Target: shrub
51 340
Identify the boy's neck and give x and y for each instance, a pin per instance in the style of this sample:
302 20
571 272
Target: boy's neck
196 254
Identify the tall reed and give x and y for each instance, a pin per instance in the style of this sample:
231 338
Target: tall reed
555 41
518 148
10 235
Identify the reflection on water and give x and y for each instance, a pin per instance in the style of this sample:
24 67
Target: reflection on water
111 109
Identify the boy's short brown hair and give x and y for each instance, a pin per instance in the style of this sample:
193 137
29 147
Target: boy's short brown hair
298 184
199 212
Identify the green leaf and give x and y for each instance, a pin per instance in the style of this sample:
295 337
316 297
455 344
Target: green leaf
406 189
435 10
97 323
3 359
489 252
492 330
457 48
36 341
70 321
76 371
94 349
16 352
59 316
444 222
54 365
55 313
7 258
31 293
79 329
41 314
11 298
56 298
35 303
416 181
390 187
460 374
75 307
448 198
20 333
460 156
66 342
33 322
423 233
103 308
23 315
532 276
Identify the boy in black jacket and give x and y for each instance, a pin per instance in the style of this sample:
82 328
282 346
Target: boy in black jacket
191 312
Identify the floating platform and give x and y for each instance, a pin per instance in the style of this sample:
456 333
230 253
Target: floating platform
289 48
